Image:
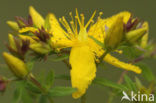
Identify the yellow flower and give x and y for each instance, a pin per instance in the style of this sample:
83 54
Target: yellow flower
84 49
17 66
101 27
82 59
98 33
38 20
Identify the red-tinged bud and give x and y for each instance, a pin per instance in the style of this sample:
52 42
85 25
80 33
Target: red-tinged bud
3 84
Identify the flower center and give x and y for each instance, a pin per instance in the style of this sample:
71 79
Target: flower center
75 23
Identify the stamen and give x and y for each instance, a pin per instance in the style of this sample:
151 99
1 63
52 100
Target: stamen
77 17
60 19
76 32
100 14
73 26
82 19
67 25
99 17
71 15
91 23
66 34
90 19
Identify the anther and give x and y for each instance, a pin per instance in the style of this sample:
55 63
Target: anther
70 13
71 22
100 13
60 19
63 18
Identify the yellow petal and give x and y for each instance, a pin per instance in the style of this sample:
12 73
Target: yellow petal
125 14
97 32
83 69
114 61
27 29
61 43
58 33
144 39
36 17
30 38
17 66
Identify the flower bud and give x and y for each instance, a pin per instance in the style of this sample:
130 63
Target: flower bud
114 35
3 84
12 42
40 48
13 25
36 17
135 35
16 65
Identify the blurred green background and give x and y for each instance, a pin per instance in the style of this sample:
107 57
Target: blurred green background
144 9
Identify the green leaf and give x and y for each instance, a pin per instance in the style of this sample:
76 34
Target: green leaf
17 95
130 52
130 83
3 66
47 24
49 80
146 72
30 65
61 91
43 99
97 41
108 83
64 77
26 97
103 65
99 81
60 58
138 83
31 87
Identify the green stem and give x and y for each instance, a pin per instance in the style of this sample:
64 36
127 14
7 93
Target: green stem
43 90
83 99
67 64
111 96
50 100
104 54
